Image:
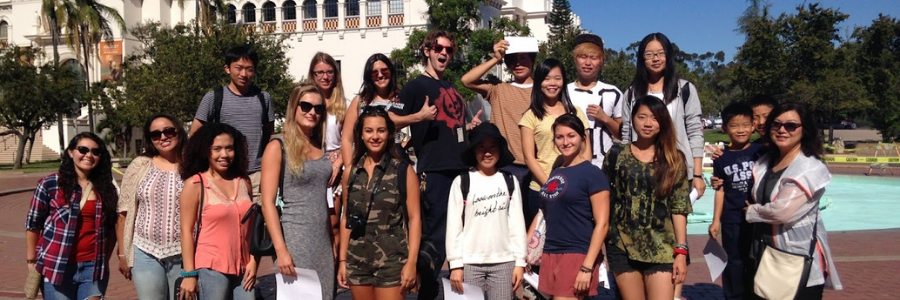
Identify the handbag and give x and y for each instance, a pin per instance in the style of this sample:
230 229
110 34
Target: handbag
199 221
260 240
781 274
536 243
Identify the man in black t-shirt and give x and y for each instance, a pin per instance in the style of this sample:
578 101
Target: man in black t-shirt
435 112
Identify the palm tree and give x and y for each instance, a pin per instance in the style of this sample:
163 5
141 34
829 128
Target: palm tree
89 24
54 11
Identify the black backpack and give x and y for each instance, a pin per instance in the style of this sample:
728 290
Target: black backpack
464 185
216 114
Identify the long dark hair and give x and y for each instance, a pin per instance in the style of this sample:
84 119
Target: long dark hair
668 161
148 147
374 112
541 71
198 151
641 80
101 177
811 143
368 91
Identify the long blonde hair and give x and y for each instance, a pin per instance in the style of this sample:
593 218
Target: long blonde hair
337 105
296 144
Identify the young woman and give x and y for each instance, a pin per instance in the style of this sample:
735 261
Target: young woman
326 76
646 249
786 194
656 76
302 237
575 204
485 228
219 259
378 255
149 228
548 102
72 253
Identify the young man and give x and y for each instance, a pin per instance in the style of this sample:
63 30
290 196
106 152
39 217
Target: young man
509 101
602 102
242 105
735 167
435 112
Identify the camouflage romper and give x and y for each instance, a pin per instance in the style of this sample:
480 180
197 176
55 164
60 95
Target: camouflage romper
377 257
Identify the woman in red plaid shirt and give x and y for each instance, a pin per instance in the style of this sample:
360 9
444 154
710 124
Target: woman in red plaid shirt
70 228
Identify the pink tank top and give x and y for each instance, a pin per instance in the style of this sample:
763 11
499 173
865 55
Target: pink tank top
220 247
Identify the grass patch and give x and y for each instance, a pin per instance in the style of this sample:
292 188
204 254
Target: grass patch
34 167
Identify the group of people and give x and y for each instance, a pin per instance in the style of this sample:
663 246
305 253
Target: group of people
594 175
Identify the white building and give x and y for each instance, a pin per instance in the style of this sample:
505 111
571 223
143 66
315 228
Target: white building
349 30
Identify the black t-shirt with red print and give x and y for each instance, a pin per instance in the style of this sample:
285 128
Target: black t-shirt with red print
437 143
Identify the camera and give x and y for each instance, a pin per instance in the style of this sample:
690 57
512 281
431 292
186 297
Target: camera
357 224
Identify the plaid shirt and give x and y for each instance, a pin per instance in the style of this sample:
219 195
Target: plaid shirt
57 219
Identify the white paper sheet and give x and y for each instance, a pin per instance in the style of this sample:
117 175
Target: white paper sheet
305 286
470 292
603 274
522 44
694 196
715 258
532 279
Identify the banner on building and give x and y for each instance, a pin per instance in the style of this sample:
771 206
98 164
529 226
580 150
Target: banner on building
111 61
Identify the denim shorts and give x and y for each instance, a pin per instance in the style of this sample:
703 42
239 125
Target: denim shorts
78 283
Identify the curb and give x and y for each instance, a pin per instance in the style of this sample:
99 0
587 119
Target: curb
16 191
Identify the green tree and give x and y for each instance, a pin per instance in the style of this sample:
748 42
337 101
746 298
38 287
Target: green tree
761 62
619 68
561 41
177 66
31 97
877 64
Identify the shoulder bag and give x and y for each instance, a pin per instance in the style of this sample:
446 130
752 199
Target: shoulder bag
782 274
260 240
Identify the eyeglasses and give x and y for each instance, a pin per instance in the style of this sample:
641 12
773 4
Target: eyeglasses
323 73
84 150
440 48
789 126
306 107
650 55
170 132
384 72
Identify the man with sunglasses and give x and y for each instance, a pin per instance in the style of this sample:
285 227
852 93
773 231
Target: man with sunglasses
435 112
241 105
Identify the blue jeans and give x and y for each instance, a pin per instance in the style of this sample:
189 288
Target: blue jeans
154 278
78 283
217 286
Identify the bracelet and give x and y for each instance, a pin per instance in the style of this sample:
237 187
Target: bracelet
193 273
586 269
682 246
698 176
679 251
31 261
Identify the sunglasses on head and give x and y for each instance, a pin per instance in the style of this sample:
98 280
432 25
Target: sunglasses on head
306 107
84 150
440 48
789 126
374 111
170 132
383 71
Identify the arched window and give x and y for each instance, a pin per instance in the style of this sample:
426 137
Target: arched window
249 13
289 10
268 12
331 8
373 8
352 7
395 6
309 9
4 31
231 14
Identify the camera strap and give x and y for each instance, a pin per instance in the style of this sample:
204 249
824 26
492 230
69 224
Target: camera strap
375 188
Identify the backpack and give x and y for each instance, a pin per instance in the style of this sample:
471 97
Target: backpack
216 114
464 185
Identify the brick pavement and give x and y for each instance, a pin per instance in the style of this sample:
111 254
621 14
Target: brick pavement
868 261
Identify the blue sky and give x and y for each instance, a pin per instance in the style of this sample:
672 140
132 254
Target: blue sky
702 25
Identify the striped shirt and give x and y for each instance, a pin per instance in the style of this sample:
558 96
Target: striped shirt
57 219
244 114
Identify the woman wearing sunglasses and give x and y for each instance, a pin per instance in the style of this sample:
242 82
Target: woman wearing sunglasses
69 230
302 238
149 228
790 181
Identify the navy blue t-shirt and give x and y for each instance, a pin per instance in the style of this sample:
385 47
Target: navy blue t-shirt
567 207
735 168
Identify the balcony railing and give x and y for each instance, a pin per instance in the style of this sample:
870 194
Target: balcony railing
351 22
289 26
331 24
384 15
310 25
